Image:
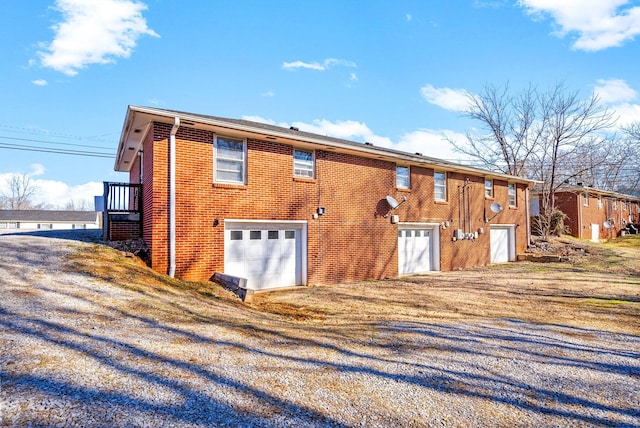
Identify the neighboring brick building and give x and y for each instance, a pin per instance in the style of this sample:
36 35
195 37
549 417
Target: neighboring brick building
283 207
592 213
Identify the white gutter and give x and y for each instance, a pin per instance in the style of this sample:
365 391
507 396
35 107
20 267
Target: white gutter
172 197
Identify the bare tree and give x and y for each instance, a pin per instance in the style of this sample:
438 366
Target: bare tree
509 124
20 191
82 205
539 135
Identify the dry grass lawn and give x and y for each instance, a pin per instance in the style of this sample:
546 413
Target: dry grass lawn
597 287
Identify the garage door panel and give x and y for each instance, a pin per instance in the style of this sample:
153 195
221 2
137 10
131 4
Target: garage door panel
267 255
415 250
502 245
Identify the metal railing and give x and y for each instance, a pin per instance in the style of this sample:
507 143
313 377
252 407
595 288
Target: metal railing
122 198
122 203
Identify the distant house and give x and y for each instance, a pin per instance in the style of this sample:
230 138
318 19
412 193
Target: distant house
592 213
280 207
29 220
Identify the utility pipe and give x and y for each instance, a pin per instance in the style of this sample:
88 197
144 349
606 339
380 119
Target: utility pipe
172 197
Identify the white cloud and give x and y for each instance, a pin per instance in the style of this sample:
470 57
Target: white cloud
353 77
627 113
447 98
617 96
39 82
325 65
52 194
614 90
94 32
268 94
429 142
599 24
408 17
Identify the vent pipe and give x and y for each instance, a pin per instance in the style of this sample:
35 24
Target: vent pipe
172 197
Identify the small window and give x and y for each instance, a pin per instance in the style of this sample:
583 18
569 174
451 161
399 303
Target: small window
624 205
488 188
255 234
289 234
402 177
599 202
45 226
273 234
303 165
235 235
230 160
418 233
585 199
408 234
440 186
615 205
511 190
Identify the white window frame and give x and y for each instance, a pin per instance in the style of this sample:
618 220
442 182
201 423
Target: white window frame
400 184
488 188
440 186
599 202
242 161
512 194
302 165
585 199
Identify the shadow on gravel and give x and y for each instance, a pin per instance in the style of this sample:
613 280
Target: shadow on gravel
418 356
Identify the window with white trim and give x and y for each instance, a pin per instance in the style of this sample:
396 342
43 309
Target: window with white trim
440 186
511 191
585 199
303 164
599 202
488 188
230 160
402 177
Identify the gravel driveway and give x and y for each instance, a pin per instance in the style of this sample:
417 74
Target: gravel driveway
77 350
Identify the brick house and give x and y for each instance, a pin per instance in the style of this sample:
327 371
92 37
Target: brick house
283 207
592 213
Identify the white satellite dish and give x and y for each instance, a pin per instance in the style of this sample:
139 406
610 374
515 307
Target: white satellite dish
495 208
393 203
607 225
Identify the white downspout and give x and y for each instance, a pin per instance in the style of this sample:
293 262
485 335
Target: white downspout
172 197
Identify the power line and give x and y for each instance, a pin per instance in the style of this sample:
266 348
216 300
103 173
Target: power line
52 142
56 151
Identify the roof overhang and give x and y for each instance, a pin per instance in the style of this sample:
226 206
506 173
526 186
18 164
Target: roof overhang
139 119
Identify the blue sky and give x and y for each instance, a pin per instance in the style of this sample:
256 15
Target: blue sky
393 73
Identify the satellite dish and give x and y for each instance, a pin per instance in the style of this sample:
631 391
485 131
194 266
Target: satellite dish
607 225
495 208
393 203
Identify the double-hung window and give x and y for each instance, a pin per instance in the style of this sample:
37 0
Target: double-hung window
303 164
488 188
511 190
585 199
440 186
402 177
230 160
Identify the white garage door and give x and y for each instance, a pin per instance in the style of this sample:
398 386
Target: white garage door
415 250
267 255
502 243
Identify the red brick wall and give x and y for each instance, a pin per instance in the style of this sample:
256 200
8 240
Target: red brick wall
581 217
352 241
123 230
